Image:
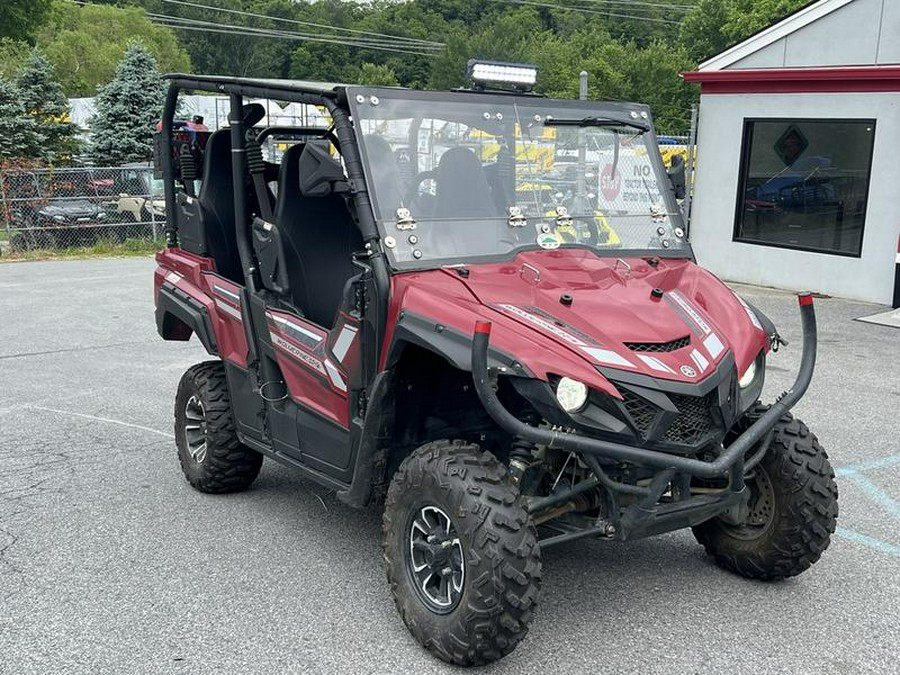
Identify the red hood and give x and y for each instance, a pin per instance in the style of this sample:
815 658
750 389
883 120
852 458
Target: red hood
612 303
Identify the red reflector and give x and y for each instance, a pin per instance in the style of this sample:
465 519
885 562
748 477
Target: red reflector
483 327
805 299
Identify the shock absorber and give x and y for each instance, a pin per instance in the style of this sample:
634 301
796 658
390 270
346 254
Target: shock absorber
522 452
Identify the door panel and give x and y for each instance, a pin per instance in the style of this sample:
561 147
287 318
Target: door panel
314 380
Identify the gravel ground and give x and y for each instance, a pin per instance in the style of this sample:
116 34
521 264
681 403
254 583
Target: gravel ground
111 563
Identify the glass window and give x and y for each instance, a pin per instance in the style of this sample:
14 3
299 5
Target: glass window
804 184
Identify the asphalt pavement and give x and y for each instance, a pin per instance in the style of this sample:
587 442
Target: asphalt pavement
111 563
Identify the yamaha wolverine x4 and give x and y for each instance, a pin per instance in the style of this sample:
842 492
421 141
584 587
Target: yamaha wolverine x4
478 311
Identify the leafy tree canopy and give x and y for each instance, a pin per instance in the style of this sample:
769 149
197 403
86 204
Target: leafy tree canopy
20 18
85 43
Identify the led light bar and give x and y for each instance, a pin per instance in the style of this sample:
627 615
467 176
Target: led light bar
521 76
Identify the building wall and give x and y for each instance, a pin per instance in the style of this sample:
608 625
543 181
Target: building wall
870 277
875 40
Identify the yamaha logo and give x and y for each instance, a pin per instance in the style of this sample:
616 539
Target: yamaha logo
687 371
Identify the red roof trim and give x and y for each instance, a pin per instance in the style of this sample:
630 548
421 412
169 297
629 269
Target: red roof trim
797 80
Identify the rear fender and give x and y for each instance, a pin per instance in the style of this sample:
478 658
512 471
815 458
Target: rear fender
178 315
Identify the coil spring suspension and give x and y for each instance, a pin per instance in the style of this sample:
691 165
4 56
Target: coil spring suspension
522 452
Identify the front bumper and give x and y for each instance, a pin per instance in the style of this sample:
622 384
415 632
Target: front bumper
731 460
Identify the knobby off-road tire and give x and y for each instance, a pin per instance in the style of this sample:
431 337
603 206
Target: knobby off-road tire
465 494
211 456
793 508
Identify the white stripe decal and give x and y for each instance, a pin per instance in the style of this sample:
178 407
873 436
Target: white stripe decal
228 309
546 325
299 329
749 311
335 376
655 363
608 357
713 345
297 353
342 344
693 313
700 360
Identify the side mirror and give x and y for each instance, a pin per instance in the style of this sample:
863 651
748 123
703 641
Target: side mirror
320 173
676 175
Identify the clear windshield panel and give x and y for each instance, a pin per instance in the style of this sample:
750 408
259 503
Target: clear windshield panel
481 176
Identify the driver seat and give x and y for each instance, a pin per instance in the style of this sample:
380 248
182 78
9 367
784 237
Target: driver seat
462 187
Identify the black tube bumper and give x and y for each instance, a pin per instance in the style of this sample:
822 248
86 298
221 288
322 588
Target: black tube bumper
731 458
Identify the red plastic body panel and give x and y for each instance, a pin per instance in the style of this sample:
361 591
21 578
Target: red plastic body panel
611 305
315 377
196 276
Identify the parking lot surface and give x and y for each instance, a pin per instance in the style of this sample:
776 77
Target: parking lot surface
111 563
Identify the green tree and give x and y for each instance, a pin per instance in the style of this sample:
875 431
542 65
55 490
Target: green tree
43 100
85 43
128 109
376 75
18 131
13 54
20 18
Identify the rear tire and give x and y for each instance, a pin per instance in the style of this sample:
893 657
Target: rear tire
793 509
211 456
450 509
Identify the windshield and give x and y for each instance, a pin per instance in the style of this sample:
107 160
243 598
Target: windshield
458 176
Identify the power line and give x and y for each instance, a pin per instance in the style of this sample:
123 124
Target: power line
200 25
411 41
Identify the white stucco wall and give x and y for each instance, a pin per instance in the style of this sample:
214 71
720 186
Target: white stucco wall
870 277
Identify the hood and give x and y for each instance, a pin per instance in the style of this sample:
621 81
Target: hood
71 208
668 319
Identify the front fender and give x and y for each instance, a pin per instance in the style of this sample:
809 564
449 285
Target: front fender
449 343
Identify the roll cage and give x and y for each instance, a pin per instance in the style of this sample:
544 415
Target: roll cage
333 97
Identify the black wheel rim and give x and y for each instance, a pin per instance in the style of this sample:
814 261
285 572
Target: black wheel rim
195 429
435 559
761 507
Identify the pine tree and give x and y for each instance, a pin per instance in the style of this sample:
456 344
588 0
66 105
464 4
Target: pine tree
127 110
43 100
18 131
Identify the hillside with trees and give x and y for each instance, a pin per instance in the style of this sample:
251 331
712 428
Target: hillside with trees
632 49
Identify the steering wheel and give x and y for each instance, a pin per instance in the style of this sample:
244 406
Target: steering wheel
413 194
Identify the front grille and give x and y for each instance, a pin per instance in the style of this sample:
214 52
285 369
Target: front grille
693 422
670 346
642 412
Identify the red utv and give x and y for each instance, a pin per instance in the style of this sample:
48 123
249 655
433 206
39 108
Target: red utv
479 309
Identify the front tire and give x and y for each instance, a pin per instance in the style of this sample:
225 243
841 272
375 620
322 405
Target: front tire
461 553
793 509
211 456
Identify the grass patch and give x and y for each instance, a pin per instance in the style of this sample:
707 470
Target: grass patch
99 249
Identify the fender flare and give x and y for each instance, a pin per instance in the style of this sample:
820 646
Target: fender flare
178 315
449 343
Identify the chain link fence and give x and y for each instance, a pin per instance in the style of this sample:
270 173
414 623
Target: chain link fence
58 209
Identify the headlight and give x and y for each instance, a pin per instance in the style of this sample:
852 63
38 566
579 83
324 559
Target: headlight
749 375
59 219
571 394
101 216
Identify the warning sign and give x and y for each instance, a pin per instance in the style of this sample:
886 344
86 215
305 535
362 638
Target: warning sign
610 183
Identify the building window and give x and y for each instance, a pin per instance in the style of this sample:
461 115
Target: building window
804 184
